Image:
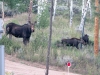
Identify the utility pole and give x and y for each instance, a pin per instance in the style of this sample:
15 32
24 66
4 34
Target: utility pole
2 68
2 60
96 29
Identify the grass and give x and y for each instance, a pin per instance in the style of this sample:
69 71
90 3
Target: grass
9 73
36 51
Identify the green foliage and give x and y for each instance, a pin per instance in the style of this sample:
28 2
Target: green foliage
42 56
36 49
35 9
55 53
39 41
11 3
89 65
9 73
23 7
44 18
17 5
10 45
35 2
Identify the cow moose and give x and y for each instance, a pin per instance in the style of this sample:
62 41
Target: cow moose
20 31
74 42
86 39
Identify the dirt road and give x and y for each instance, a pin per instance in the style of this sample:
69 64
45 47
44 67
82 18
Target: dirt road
22 69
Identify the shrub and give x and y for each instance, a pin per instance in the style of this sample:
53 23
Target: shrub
10 45
43 18
39 41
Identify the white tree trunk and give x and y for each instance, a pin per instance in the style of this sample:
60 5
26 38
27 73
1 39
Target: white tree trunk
67 2
44 3
84 15
90 9
41 7
71 12
55 4
83 7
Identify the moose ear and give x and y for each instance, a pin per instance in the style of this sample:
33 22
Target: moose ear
35 22
29 22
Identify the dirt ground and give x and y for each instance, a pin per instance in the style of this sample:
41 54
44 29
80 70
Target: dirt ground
21 67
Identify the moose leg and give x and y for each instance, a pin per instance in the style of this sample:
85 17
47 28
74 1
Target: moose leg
28 40
24 41
77 46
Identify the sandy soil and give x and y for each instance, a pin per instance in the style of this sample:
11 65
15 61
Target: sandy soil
19 67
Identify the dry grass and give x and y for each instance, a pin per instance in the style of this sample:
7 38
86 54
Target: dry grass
20 19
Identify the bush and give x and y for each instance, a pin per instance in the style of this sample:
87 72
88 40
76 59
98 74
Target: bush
10 45
39 41
43 18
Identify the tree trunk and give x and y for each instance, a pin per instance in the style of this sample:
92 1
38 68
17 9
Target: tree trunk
90 10
49 43
84 15
83 10
30 10
2 11
41 7
83 7
2 21
55 4
71 12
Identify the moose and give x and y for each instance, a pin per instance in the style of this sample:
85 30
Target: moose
74 42
87 40
21 31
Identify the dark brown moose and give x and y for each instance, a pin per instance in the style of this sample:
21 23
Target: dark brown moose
21 31
74 42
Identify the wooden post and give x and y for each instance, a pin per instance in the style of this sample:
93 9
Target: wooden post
96 29
30 10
